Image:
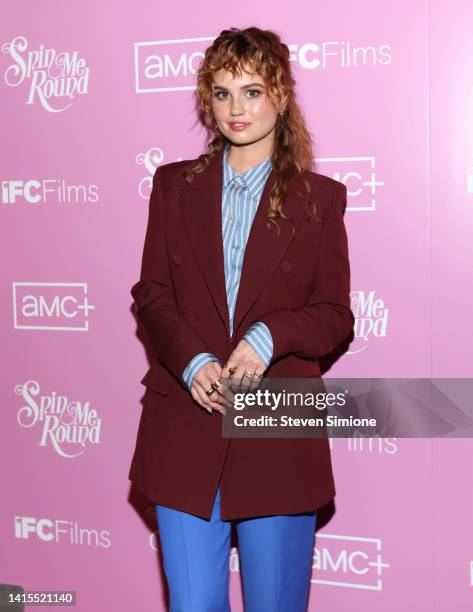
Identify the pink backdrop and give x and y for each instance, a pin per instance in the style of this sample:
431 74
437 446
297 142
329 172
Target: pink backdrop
388 94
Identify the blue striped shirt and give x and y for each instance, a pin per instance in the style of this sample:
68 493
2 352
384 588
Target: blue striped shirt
241 194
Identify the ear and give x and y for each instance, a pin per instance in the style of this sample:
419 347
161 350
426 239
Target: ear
279 104
282 105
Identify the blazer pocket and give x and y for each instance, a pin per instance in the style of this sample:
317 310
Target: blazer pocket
158 379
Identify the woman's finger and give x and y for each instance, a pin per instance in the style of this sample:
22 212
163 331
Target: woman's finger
210 402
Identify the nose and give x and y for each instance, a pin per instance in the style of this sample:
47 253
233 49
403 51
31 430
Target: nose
236 107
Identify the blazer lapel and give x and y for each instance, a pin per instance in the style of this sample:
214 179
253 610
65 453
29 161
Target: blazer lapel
265 249
202 213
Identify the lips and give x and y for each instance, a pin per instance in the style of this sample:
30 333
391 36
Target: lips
239 125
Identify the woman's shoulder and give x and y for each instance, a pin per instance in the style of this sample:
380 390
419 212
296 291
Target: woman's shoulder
171 175
173 169
324 182
332 192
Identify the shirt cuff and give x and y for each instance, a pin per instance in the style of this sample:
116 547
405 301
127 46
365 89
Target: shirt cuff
261 341
194 366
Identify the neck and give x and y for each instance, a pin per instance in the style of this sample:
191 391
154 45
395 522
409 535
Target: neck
243 157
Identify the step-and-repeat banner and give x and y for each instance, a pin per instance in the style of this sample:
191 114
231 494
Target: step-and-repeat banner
94 97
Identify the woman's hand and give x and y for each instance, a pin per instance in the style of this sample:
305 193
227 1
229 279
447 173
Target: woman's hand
208 373
244 359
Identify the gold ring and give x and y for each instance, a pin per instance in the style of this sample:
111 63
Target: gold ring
213 387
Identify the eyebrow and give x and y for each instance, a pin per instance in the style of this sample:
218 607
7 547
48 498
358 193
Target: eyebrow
243 87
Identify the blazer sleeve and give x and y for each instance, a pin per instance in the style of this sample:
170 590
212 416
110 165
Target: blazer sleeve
316 329
173 340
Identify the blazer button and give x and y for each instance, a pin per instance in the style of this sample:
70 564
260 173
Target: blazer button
286 266
177 259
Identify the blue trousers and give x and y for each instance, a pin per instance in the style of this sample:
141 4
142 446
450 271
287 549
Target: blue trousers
275 555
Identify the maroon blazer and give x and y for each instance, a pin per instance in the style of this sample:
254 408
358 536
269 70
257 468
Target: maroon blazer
298 284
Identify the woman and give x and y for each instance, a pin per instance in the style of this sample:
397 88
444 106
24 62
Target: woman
245 273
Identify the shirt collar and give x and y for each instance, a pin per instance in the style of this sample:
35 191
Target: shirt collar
254 178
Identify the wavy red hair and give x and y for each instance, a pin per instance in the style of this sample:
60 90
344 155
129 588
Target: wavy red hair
259 52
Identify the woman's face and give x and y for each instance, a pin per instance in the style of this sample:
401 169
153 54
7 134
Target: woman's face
242 100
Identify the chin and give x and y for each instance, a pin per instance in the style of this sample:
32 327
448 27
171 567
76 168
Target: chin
242 139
